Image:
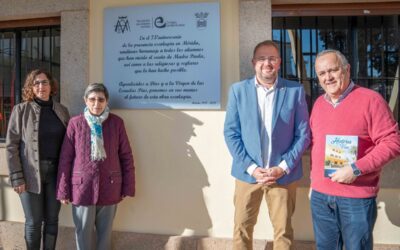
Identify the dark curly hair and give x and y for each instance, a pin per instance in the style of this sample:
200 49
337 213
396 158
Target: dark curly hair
27 91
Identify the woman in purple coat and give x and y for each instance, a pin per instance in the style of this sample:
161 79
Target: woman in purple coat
96 169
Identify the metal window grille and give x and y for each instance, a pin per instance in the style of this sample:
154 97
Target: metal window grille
21 50
370 43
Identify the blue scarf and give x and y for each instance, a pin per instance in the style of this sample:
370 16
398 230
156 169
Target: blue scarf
97 152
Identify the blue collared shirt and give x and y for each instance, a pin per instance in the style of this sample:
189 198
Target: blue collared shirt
341 97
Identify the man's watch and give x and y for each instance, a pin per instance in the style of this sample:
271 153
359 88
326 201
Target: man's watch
356 171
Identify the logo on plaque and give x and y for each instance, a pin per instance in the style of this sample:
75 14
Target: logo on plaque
201 19
159 22
122 25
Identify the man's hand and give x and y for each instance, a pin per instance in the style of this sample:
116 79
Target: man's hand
276 171
343 175
268 176
259 174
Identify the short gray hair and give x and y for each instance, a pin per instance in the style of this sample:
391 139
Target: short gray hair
343 60
96 87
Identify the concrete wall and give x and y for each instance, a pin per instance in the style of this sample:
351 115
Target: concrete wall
254 27
25 9
184 185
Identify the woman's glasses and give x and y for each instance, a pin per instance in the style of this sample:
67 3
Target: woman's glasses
98 99
36 83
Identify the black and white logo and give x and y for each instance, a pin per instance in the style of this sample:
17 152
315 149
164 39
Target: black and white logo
159 22
201 20
122 25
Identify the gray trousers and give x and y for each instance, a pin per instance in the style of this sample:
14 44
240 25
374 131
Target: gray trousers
93 226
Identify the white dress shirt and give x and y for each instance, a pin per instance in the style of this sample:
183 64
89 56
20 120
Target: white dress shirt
265 99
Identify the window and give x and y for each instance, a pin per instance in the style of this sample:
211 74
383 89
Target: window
370 43
21 50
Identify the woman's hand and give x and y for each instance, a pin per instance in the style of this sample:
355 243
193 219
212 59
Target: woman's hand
20 189
64 201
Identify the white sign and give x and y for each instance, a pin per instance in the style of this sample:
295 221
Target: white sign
163 56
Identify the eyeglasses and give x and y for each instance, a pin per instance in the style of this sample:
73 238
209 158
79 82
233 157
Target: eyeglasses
271 59
99 99
43 82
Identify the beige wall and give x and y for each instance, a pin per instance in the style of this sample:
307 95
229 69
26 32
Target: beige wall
183 167
184 186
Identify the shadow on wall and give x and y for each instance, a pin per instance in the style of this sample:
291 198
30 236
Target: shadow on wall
170 177
391 200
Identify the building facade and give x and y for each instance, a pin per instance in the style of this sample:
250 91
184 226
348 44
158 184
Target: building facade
184 186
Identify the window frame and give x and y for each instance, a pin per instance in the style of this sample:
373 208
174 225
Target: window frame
336 10
342 9
17 27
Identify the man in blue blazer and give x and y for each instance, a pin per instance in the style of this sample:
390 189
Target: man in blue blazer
267 131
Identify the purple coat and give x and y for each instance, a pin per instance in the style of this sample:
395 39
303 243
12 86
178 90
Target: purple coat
85 182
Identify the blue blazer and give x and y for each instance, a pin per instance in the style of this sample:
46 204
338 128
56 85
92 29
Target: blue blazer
290 129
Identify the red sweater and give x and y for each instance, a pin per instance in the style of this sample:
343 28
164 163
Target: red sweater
363 113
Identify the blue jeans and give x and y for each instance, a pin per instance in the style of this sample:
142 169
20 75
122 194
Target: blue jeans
41 209
339 220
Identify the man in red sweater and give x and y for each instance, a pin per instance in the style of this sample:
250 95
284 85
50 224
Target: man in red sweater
354 135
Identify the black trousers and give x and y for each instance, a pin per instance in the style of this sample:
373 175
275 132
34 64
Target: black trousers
42 210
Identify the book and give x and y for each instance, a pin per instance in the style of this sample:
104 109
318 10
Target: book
340 150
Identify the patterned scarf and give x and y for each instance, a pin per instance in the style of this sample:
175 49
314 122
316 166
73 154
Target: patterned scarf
97 152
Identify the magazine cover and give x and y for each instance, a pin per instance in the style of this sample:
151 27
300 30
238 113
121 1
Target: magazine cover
340 150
